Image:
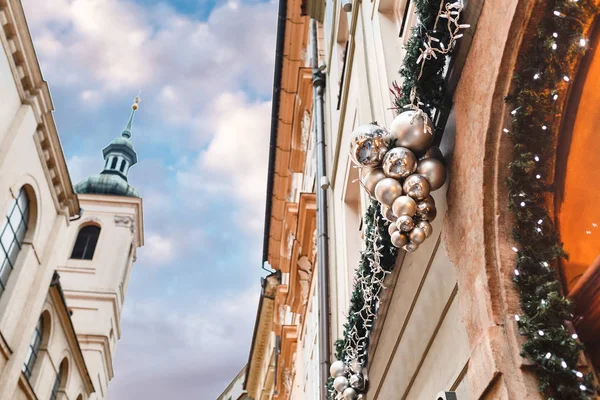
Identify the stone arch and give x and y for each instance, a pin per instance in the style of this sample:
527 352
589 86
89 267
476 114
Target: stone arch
478 224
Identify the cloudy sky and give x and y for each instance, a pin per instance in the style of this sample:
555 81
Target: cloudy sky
205 69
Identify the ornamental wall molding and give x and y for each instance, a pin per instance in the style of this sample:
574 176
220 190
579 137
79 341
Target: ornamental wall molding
33 91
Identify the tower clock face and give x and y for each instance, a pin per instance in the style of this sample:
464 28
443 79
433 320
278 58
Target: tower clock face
365 152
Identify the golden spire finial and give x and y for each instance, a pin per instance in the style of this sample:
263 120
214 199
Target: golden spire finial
136 101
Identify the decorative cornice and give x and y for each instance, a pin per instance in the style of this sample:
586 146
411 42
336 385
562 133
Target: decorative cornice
33 91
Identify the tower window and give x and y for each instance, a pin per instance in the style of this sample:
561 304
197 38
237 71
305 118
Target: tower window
85 245
123 163
113 165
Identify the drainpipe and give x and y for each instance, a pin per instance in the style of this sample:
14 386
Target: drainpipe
318 79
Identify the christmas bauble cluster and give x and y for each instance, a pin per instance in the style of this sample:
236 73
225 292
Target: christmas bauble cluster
400 169
349 385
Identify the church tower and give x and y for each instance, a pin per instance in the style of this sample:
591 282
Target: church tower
97 267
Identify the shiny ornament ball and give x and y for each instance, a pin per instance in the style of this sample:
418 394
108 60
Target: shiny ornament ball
405 223
398 239
392 228
417 187
434 170
337 368
410 247
388 214
357 381
426 209
388 190
371 178
417 235
399 163
340 383
349 394
368 145
434 152
426 226
404 205
412 130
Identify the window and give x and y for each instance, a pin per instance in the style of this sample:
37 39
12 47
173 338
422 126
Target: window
12 234
123 163
34 348
85 245
113 165
60 380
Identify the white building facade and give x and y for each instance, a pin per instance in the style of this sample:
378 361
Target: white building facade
66 255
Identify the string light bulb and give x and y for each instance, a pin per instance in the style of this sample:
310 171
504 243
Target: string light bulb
582 42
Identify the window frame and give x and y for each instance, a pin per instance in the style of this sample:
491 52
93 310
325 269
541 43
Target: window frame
12 239
35 345
91 242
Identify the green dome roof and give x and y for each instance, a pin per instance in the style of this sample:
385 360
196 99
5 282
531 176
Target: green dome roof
106 184
119 156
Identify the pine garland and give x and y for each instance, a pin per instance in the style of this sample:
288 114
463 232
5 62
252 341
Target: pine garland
540 80
430 90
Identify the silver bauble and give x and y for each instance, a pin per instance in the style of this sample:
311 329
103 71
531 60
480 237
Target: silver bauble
360 397
411 130
410 247
387 213
399 163
404 205
357 381
340 383
426 209
398 239
349 394
434 171
426 226
337 368
434 152
392 228
417 187
417 235
368 145
405 223
371 178
388 190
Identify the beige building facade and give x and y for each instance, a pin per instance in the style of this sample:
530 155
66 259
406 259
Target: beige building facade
446 322
67 254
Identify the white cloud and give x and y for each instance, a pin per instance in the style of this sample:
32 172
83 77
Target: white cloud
179 353
158 249
80 167
118 46
234 163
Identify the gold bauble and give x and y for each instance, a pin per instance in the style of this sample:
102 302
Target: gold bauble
412 130
426 226
404 205
398 239
387 190
434 171
392 228
417 187
426 209
387 213
405 223
417 235
410 247
399 163
371 178
368 145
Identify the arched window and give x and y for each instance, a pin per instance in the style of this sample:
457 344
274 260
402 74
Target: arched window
34 348
12 234
61 379
85 245
123 163
113 165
